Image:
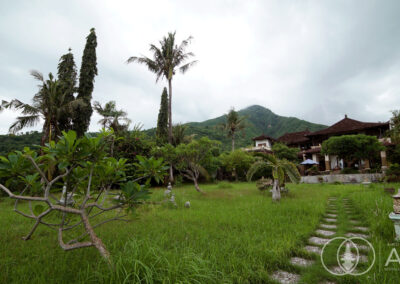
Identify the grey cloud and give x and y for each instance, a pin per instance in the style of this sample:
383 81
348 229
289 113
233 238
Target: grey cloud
316 60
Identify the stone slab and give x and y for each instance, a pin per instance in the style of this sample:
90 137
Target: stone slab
318 240
285 277
301 261
325 233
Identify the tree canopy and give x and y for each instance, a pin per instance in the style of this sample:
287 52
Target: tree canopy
352 147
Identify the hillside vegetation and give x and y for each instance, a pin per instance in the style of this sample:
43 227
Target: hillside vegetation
259 120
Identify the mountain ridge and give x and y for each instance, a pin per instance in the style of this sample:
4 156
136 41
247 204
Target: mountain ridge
259 120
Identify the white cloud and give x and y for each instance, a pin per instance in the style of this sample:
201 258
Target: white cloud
316 60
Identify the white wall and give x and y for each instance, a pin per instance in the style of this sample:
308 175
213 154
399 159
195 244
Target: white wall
266 141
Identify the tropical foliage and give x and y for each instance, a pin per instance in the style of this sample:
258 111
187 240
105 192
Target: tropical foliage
162 121
167 59
84 170
50 104
280 170
87 74
234 124
352 147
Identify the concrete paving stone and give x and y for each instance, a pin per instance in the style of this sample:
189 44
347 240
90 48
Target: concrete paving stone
325 233
318 240
301 261
313 249
285 277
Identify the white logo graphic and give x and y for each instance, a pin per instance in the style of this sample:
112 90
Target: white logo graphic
348 261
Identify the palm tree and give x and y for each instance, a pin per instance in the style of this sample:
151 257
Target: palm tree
280 169
50 104
234 123
111 119
166 60
112 116
179 134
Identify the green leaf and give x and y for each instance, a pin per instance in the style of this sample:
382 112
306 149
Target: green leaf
38 209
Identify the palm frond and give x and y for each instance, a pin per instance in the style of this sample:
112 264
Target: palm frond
255 168
37 75
186 67
291 171
24 121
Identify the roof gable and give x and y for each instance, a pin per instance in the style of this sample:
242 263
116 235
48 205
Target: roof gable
263 137
348 125
294 137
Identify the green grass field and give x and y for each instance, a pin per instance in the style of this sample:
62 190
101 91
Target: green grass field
232 234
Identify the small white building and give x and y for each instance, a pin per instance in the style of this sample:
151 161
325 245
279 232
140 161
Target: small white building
263 143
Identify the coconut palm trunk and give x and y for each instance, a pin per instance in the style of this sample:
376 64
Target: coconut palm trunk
233 142
171 170
276 192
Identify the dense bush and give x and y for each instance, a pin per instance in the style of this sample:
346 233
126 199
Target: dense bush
393 173
235 165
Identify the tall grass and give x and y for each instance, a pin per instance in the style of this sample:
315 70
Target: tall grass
229 235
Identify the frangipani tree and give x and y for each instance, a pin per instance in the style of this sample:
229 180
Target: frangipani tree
84 170
280 169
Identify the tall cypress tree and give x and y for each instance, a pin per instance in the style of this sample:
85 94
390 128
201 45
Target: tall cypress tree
162 122
67 77
86 84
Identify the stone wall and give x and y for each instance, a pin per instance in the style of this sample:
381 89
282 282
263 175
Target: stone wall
349 178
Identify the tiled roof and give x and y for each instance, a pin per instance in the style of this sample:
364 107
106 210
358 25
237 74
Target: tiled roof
263 137
348 125
313 150
294 137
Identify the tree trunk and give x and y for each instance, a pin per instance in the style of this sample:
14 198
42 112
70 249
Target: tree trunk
171 174
170 111
171 171
97 242
276 193
196 185
112 146
233 142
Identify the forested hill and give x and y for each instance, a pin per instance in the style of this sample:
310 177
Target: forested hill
10 142
259 120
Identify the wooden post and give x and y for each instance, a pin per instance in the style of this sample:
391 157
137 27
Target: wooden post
384 161
327 163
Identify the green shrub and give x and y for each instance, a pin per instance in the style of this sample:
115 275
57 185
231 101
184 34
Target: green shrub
393 173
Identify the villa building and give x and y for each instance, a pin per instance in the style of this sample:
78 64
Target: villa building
262 143
309 143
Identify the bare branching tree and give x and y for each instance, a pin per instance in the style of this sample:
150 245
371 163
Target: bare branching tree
84 172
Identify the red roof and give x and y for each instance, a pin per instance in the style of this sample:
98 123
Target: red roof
294 137
313 150
348 125
263 137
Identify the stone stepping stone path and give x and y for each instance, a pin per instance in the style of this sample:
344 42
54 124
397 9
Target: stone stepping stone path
363 229
328 226
313 249
318 241
357 235
315 243
301 261
325 233
285 277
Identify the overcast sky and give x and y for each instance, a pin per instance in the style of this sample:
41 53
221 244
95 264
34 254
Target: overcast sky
315 60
